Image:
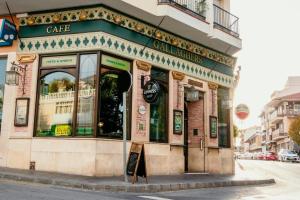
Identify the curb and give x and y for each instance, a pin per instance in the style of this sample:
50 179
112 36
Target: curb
144 188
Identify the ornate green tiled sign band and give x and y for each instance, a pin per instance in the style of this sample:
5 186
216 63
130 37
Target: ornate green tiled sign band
111 28
107 14
124 48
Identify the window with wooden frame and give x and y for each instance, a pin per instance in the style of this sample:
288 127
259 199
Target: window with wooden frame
66 95
159 110
223 118
71 97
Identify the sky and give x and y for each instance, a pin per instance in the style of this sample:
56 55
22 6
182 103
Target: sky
270 32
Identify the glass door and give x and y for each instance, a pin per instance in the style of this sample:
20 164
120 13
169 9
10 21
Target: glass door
110 110
111 104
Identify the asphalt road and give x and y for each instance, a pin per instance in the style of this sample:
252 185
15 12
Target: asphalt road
287 176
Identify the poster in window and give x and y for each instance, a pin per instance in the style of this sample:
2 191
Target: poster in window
213 126
178 122
21 112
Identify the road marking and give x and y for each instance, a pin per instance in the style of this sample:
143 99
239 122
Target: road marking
240 165
154 198
257 197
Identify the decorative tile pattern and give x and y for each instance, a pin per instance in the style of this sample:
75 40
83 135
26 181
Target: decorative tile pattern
116 45
103 13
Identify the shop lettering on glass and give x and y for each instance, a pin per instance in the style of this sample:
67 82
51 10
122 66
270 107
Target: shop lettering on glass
57 61
59 28
151 91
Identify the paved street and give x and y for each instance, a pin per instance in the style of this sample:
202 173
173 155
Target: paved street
286 174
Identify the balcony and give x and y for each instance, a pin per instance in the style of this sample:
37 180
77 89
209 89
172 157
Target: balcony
254 147
226 21
278 134
289 113
196 8
223 19
276 117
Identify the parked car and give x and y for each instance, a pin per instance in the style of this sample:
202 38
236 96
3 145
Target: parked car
246 155
255 155
270 156
261 156
287 155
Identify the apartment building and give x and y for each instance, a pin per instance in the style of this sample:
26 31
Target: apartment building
277 115
251 139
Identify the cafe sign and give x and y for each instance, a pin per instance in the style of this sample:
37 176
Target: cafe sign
59 61
8 33
115 62
151 91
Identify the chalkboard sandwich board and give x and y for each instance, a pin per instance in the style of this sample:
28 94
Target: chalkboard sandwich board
136 164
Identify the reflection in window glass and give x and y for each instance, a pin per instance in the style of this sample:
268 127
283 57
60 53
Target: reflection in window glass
158 110
2 83
56 105
111 108
86 94
223 118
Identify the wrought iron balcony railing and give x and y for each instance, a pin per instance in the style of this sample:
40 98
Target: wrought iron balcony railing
223 19
226 21
278 134
193 7
289 113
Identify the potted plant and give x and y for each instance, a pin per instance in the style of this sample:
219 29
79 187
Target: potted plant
201 7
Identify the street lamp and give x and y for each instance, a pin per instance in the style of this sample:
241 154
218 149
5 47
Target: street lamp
13 75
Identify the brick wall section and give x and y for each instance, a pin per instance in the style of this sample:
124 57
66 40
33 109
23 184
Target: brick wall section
140 122
196 121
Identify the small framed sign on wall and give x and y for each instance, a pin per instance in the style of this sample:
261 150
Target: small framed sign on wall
22 111
213 126
177 122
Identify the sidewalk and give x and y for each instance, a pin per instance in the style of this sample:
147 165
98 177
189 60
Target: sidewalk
116 184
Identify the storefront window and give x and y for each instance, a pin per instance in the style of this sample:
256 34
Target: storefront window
159 110
86 95
56 104
223 117
2 83
78 96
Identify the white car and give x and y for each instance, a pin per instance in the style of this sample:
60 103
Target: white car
247 156
287 155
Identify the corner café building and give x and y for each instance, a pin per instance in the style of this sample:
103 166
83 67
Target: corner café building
73 122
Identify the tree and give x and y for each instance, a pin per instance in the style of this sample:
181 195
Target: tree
294 130
235 131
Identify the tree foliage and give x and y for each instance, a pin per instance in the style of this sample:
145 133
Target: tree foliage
294 130
235 131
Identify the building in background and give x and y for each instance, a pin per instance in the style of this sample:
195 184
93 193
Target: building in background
277 115
68 116
251 139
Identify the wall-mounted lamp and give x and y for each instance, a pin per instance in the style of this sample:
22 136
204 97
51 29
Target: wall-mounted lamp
13 75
